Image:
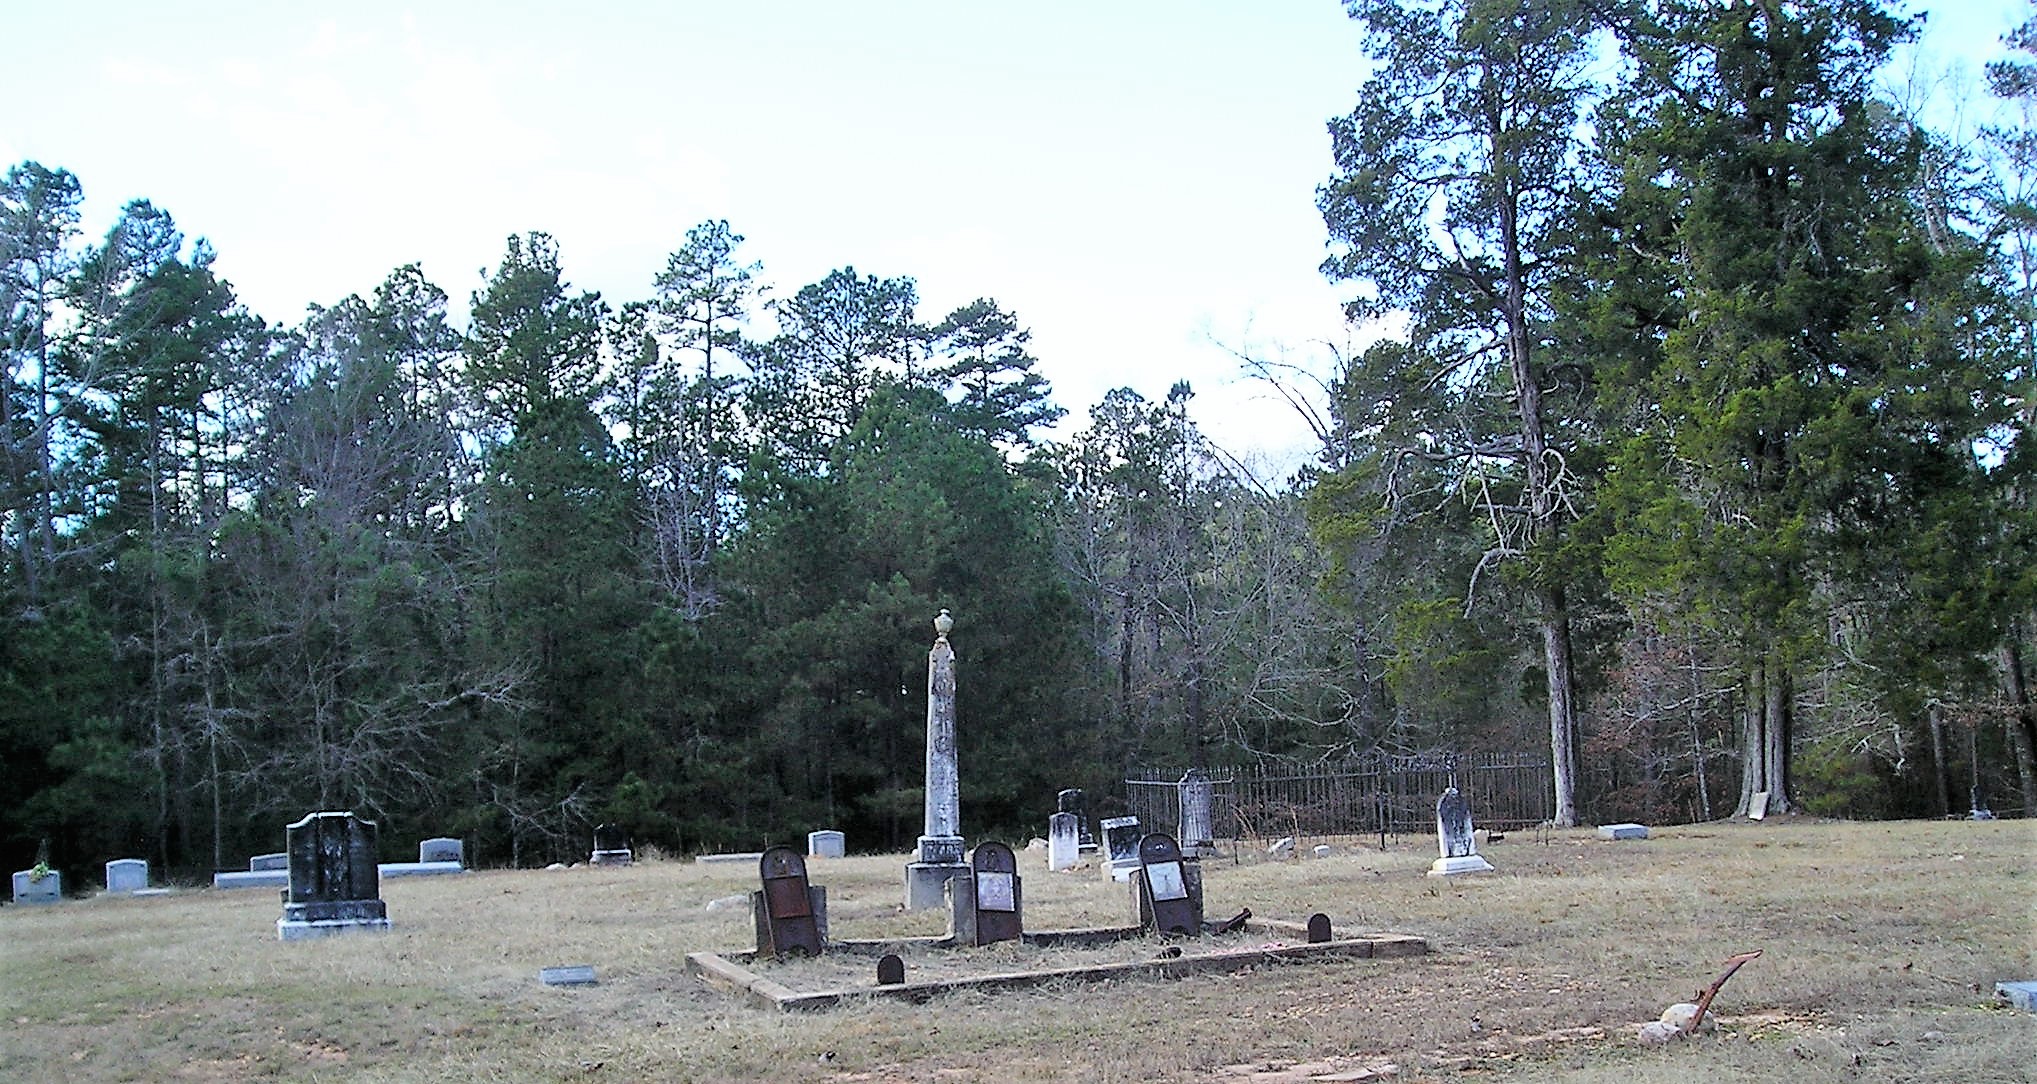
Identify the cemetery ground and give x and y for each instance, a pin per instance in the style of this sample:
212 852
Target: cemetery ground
1882 944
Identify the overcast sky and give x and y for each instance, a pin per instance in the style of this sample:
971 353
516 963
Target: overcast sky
1135 179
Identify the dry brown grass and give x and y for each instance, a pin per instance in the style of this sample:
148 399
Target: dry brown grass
1882 941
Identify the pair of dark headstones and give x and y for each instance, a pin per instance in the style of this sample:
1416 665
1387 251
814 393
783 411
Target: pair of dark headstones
335 884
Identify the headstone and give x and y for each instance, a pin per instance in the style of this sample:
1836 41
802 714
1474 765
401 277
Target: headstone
569 975
1196 797
1453 837
1072 801
335 886
988 901
787 909
260 862
1121 847
1318 928
442 849
1757 805
1283 848
939 856
1322 850
1623 831
29 888
826 843
127 875
1064 842
1169 887
611 846
890 969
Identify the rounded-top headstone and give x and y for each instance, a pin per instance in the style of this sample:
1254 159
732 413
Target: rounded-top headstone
1158 847
1318 928
890 970
781 862
994 857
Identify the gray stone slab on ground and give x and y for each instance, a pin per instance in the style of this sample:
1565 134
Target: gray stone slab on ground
2022 995
419 869
570 975
245 878
1623 831
748 858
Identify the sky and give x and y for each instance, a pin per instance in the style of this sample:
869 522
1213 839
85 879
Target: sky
1134 179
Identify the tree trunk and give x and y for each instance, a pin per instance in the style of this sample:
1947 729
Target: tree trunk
1941 772
2021 724
1562 728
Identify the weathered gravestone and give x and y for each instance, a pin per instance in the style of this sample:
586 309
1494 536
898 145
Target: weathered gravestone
890 969
261 862
335 886
568 975
127 875
1318 928
1071 801
1168 886
1121 847
1197 797
938 858
987 902
826 843
33 887
789 912
1064 842
442 849
611 846
1453 837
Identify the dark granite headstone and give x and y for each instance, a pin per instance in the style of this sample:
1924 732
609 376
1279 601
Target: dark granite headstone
611 846
1072 801
1318 928
987 909
335 885
787 916
1169 886
890 969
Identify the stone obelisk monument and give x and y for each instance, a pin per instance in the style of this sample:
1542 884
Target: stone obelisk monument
940 846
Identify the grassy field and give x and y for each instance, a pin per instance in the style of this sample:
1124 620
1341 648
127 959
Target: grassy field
1882 945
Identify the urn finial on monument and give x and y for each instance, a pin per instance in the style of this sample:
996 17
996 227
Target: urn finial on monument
943 625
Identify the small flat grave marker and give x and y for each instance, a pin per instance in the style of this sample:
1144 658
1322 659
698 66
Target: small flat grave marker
1169 894
568 975
890 969
1623 831
1318 928
785 908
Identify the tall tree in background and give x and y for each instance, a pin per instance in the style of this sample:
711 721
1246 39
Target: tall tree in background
38 224
838 340
1001 398
1448 204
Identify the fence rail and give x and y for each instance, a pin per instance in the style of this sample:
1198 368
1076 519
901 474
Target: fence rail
1381 795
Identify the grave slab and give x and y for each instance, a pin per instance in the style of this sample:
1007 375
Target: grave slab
1623 831
733 857
568 975
419 869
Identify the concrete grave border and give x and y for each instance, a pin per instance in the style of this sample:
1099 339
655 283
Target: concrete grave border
727 971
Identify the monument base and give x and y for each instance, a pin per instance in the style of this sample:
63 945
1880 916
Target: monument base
610 858
289 930
1467 863
926 883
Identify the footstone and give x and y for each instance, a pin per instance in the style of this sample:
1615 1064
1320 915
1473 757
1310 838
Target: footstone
569 975
826 843
48 888
1623 831
442 849
127 875
1318 928
890 969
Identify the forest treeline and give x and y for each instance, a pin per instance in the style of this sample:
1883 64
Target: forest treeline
1701 462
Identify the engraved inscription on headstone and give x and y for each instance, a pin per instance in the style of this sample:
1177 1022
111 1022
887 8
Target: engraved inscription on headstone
335 885
987 903
786 908
442 849
1169 886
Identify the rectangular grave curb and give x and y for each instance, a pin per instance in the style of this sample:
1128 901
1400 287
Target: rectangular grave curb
726 974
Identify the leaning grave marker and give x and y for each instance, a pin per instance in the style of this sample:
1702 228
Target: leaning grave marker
787 909
1169 887
987 903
